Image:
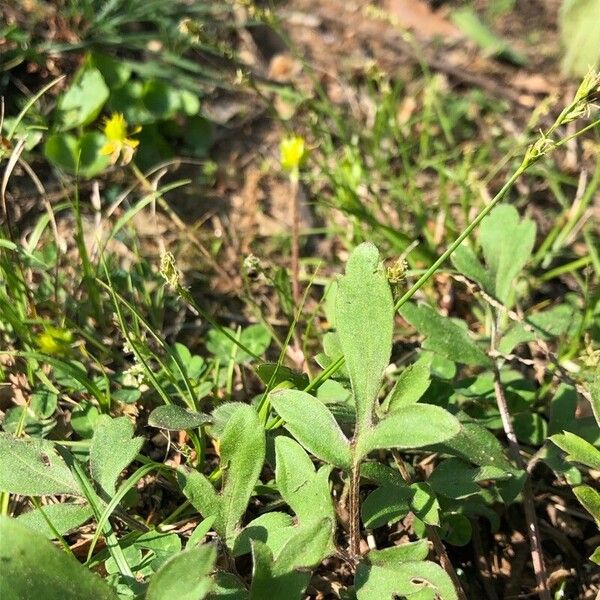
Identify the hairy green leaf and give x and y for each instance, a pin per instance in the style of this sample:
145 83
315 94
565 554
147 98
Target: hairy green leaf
364 312
269 581
590 499
32 467
413 426
578 449
386 505
507 242
176 418
305 490
111 450
444 336
385 578
64 517
185 576
411 385
32 567
311 423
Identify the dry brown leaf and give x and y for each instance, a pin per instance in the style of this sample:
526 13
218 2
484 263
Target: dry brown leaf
421 20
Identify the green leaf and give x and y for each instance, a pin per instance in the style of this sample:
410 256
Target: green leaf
111 450
558 320
82 102
304 490
185 576
276 374
475 444
424 503
242 456
307 548
364 319
386 505
32 567
579 22
32 467
411 385
202 496
64 517
507 242
176 418
530 428
273 529
227 587
255 337
466 262
578 449
590 499
444 335
467 20
62 150
311 423
77 155
268 581
114 72
381 575
595 557
456 529
413 426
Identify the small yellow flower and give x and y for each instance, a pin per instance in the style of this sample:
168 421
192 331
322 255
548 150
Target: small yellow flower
293 153
54 341
118 142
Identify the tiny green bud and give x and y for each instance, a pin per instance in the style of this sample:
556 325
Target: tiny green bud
168 269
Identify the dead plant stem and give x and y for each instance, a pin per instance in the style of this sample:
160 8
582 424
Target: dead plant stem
533 531
432 533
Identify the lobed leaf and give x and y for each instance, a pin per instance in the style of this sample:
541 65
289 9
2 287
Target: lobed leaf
507 242
444 335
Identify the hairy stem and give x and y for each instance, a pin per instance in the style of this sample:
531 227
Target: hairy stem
535 540
354 509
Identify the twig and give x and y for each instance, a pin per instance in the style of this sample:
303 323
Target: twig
484 567
535 540
432 534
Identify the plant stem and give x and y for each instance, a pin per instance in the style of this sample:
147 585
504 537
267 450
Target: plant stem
354 509
295 192
432 534
535 540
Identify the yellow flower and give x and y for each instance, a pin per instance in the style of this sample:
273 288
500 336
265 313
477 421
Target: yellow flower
54 341
293 153
118 142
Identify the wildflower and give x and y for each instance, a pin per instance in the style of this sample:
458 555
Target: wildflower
54 341
118 142
293 153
